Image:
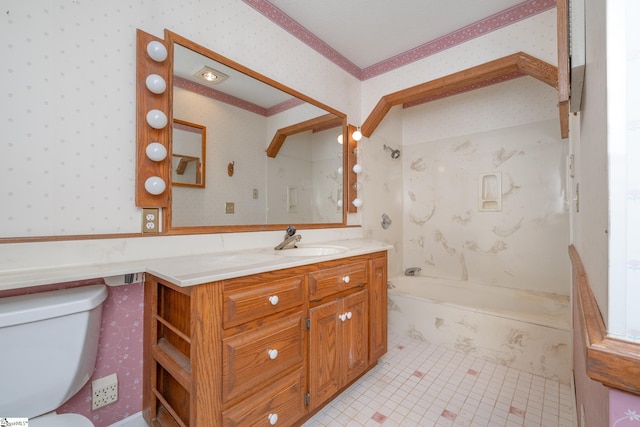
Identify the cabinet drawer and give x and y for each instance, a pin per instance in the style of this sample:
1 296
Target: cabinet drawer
284 399
253 357
332 280
244 301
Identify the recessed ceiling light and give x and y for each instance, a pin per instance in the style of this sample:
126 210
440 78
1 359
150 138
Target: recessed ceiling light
210 75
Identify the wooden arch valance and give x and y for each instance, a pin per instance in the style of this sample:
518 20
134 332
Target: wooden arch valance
516 65
318 123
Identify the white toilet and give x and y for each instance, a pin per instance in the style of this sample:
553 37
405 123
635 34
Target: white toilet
49 345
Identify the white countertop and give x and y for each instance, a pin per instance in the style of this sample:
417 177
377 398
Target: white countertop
192 270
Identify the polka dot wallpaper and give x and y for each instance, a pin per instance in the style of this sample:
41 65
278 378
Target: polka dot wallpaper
68 100
119 351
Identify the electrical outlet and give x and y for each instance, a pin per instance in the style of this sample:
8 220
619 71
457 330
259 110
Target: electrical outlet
150 220
229 207
104 391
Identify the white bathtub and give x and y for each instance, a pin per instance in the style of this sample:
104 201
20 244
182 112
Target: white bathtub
526 330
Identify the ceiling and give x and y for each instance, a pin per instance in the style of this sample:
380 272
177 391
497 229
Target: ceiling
371 37
370 31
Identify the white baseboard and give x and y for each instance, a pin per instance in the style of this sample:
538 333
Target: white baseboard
134 420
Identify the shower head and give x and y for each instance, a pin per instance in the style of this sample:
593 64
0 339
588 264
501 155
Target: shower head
394 153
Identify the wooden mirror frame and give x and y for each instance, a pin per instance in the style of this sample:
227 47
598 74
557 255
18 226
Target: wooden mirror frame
201 161
145 133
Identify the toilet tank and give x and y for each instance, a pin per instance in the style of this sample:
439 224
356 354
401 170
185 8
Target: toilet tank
49 346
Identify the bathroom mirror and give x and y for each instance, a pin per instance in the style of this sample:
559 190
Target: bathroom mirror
188 155
242 115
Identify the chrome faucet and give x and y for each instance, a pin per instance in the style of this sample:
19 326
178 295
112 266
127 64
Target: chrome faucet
290 239
411 271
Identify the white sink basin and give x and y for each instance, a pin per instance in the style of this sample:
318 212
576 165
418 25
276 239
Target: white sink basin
312 250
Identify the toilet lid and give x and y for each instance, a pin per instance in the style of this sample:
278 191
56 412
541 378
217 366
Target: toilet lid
62 420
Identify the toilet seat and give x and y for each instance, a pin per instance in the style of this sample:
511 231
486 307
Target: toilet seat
61 420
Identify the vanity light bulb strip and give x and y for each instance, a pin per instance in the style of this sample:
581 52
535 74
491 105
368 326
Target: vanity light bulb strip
156 152
155 185
156 51
156 84
157 119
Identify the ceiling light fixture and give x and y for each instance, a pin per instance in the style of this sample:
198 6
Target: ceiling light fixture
210 75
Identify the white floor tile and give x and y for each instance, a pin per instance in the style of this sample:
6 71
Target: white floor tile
420 384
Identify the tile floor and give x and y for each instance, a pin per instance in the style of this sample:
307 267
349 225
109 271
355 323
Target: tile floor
420 384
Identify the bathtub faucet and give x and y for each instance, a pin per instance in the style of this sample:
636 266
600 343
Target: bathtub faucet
411 271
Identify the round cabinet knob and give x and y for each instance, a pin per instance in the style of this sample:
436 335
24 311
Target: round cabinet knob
274 299
273 353
342 317
346 279
273 419
349 315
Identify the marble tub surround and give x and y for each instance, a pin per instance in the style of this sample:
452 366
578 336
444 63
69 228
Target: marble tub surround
522 245
526 330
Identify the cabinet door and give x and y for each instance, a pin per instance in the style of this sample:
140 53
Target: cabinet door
354 321
324 367
378 309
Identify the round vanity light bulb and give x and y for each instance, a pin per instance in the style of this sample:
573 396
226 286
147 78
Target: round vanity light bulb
340 203
357 203
357 168
156 119
340 139
156 151
156 51
155 185
156 84
357 135
340 170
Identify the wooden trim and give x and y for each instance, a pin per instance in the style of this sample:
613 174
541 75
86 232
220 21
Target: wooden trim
563 109
38 239
146 101
613 362
352 177
466 79
326 121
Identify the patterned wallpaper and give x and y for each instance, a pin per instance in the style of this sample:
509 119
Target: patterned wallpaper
119 351
68 125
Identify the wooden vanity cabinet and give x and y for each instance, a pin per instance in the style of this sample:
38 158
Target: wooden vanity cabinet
266 349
